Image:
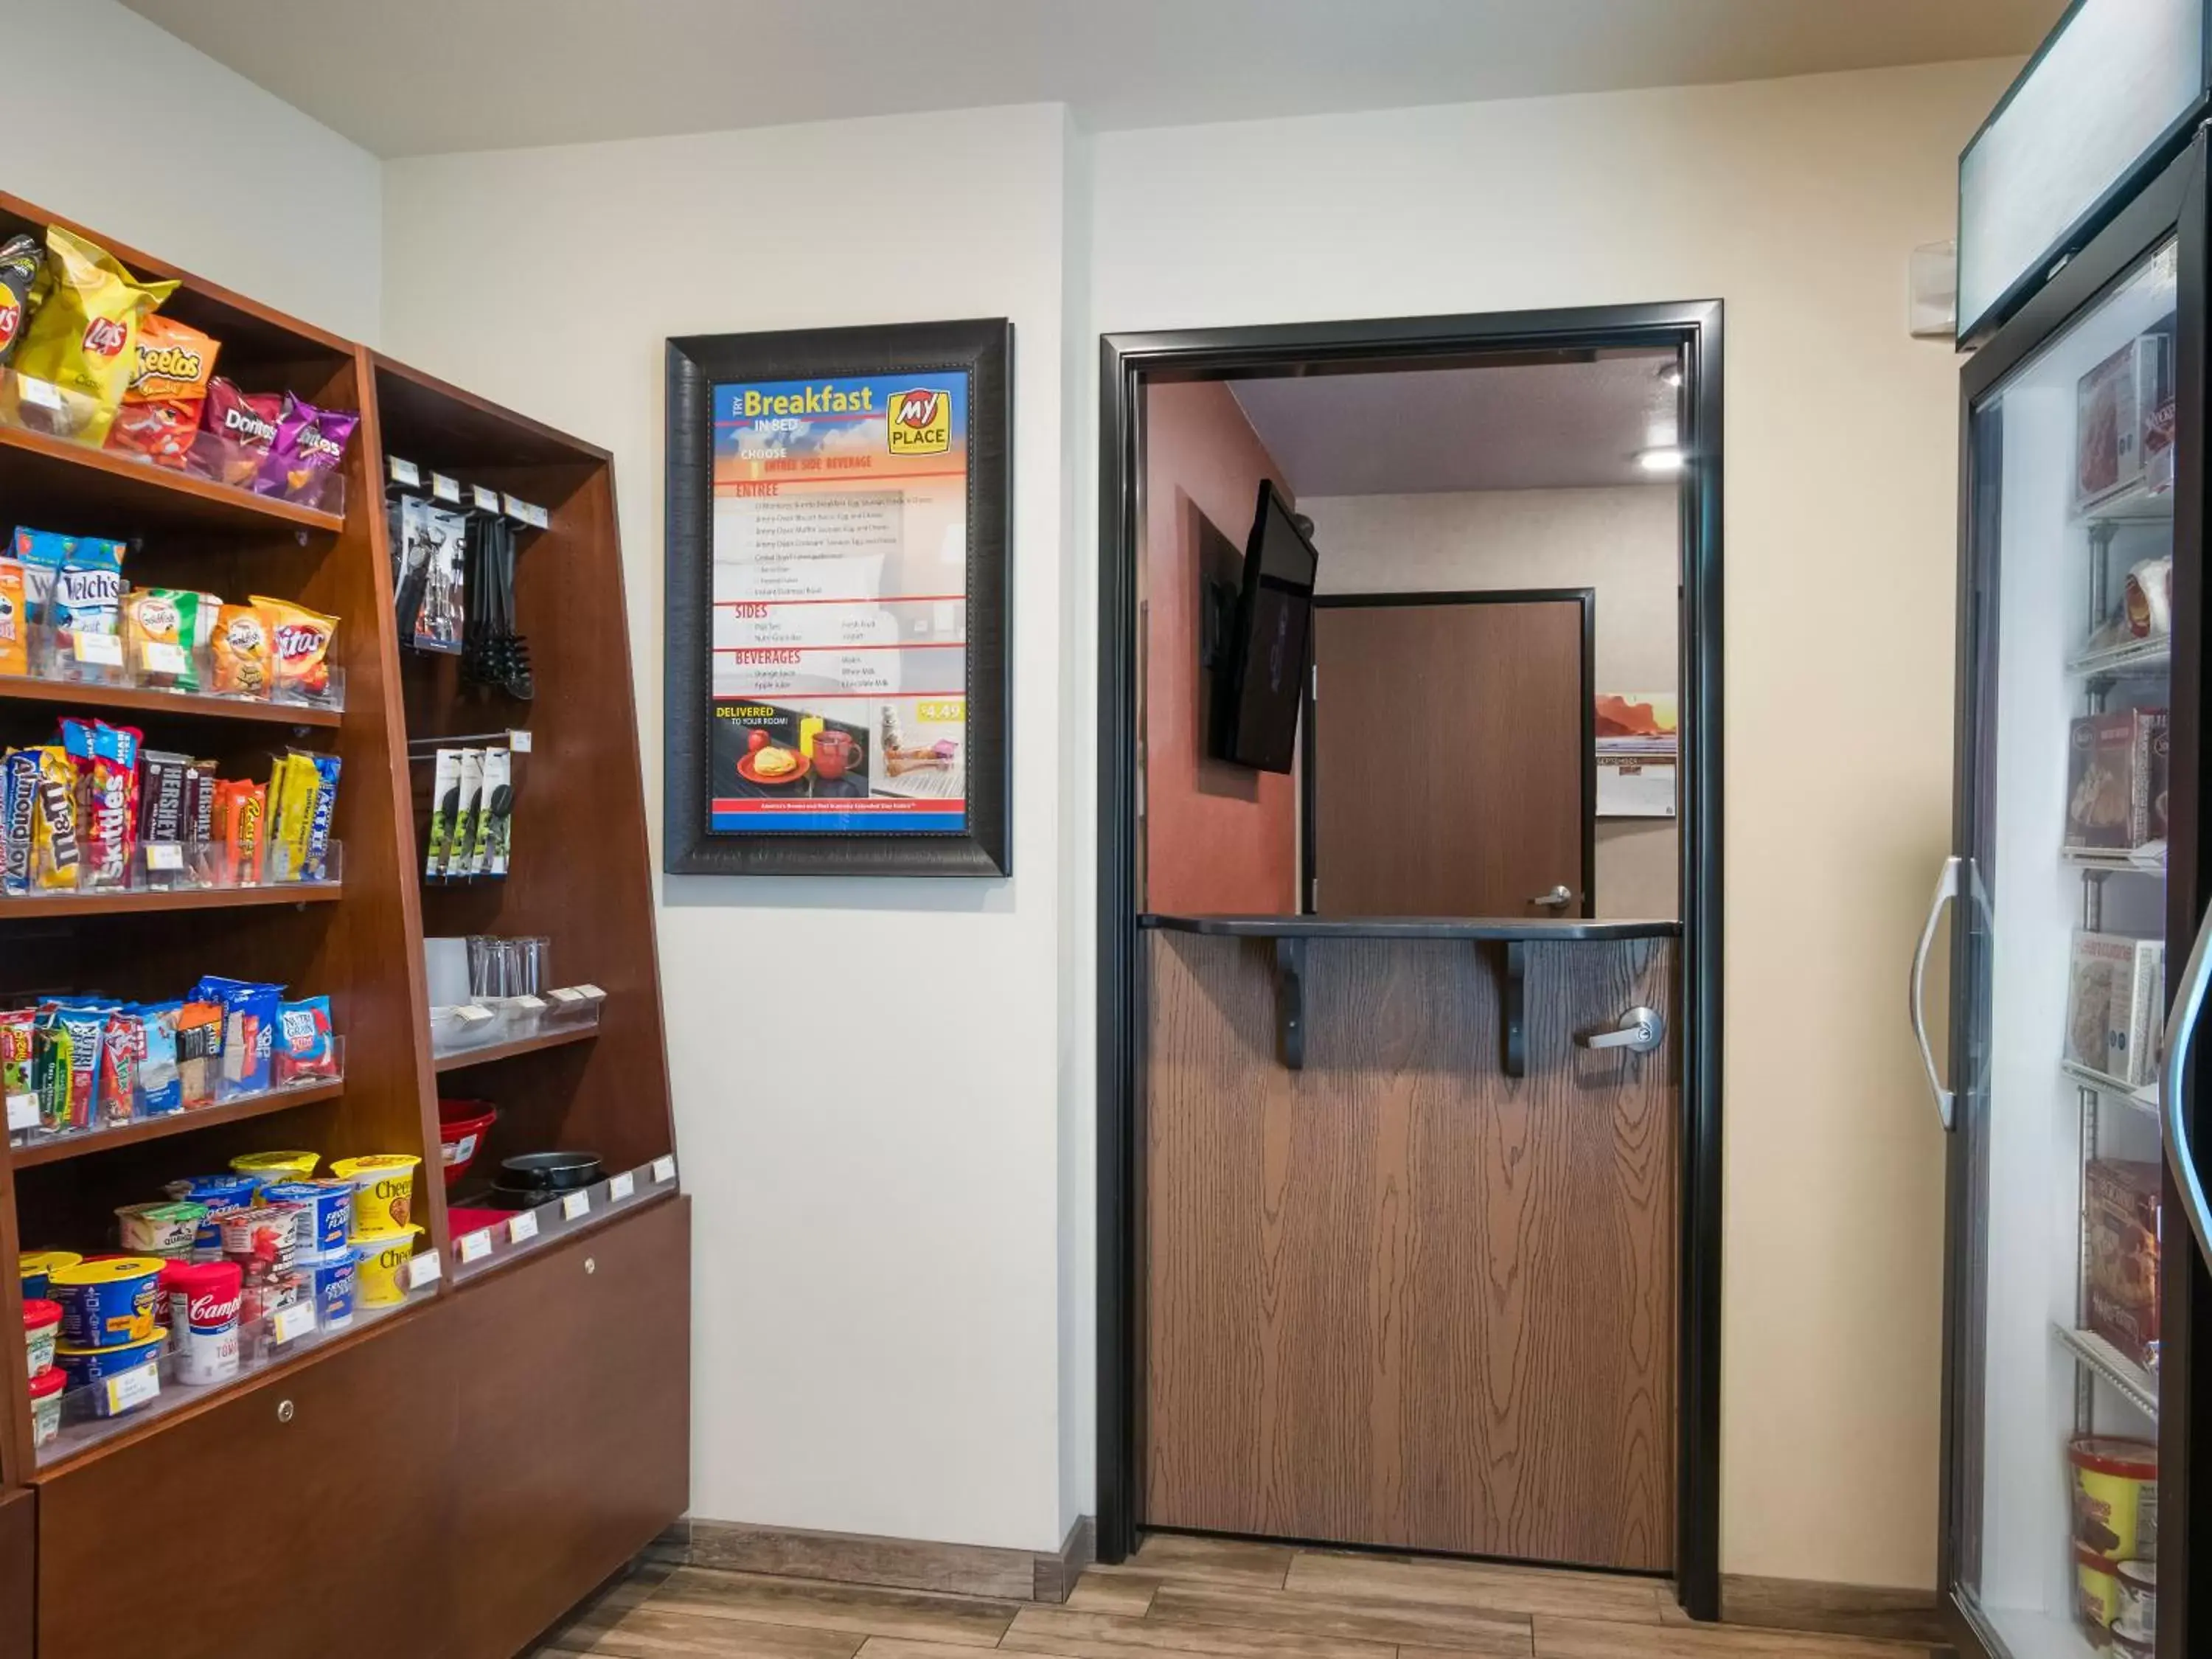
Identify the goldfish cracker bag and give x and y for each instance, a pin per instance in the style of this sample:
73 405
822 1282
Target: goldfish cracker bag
299 647
161 403
240 666
15 620
81 340
158 627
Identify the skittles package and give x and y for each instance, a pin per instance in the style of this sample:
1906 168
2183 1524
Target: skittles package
106 760
160 414
79 349
22 258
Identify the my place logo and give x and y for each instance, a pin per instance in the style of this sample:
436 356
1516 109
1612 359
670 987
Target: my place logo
920 422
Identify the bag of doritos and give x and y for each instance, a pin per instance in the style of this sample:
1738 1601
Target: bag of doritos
161 410
81 346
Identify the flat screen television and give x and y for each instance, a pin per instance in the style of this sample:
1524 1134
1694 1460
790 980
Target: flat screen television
1271 646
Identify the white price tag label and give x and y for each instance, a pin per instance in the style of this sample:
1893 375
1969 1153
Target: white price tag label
104 649
527 512
475 1246
133 1388
165 855
445 489
470 1013
428 1270
523 1228
44 393
621 1186
486 501
518 743
664 1169
289 1324
567 995
404 472
574 1207
531 1005
592 992
23 1111
160 657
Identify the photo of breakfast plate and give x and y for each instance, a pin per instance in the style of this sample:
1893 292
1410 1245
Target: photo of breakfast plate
772 766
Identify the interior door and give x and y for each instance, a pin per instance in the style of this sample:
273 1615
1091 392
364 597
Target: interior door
1449 773
1397 1298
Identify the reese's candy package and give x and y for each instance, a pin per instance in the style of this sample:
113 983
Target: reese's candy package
241 652
20 261
15 620
308 442
241 814
160 413
300 647
158 627
247 421
78 350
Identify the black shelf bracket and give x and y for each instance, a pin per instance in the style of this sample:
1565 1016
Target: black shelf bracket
1513 1009
1291 1002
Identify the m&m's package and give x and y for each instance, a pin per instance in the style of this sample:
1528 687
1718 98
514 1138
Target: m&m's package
79 349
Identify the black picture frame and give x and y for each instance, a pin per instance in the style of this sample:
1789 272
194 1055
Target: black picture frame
982 348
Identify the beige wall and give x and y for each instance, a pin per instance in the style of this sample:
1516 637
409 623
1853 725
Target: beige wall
1797 202
1624 543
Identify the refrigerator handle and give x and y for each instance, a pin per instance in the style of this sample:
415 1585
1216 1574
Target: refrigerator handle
2180 1033
1947 889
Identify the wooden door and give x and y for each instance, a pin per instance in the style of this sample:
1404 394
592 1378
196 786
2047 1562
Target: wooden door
1398 1298
1451 756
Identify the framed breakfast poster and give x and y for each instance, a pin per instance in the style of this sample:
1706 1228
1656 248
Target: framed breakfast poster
838 503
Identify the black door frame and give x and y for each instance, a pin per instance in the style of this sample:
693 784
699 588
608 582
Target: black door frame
1308 765
1127 362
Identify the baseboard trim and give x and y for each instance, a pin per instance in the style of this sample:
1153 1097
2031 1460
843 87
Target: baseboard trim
1804 1604
899 1563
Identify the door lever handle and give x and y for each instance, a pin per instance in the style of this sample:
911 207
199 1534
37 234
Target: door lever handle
1558 899
1641 1029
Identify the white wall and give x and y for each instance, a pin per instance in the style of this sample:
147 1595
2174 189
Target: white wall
879 1264
1625 543
121 126
1796 201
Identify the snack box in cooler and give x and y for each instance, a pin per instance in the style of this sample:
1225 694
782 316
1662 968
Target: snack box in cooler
2116 779
2119 1201
2117 407
2116 987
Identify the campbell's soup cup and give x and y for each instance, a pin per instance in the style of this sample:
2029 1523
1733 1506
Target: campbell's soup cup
381 1279
383 1190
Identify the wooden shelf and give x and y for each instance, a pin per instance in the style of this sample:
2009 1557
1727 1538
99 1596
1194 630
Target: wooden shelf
529 1045
39 908
176 1123
17 689
53 472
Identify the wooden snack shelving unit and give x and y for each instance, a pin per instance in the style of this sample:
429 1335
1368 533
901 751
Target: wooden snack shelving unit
447 1479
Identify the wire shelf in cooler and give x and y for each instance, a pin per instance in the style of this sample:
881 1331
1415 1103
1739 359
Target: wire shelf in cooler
2134 1384
2139 502
2144 1097
2136 658
2149 861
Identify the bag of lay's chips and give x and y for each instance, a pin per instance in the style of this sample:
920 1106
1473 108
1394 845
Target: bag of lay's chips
299 642
168 386
81 346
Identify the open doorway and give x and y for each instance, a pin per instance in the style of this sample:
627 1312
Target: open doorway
1463 789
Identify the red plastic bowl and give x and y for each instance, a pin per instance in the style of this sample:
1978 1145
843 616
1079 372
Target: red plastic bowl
462 1125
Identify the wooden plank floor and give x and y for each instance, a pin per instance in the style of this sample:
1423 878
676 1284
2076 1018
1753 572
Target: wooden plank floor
1190 1598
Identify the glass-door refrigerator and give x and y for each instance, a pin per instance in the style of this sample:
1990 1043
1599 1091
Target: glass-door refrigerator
2076 1457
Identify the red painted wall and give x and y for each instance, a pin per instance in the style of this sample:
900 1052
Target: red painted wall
1218 838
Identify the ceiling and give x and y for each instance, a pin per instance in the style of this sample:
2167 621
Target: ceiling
412 77
1545 426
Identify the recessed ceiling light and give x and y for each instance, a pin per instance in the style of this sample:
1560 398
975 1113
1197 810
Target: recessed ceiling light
1660 460
1670 375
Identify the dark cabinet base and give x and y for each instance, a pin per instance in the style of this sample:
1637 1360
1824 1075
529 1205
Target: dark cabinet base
447 1488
